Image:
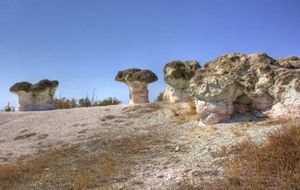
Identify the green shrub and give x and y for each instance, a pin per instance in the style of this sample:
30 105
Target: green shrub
9 108
107 102
85 102
64 103
160 97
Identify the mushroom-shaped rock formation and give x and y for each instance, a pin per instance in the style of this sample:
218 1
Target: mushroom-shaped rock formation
137 81
181 73
35 97
239 83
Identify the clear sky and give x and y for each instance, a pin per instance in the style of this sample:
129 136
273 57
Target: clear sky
83 43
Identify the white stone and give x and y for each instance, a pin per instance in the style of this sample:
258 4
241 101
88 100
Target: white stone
174 95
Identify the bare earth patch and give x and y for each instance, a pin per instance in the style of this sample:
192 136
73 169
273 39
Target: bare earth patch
153 146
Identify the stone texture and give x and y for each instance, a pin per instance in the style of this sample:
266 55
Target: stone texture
137 81
35 97
291 62
232 83
173 95
181 73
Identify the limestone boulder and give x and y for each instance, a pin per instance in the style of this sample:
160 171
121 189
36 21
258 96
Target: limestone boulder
173 95
177 74
37 97
240 83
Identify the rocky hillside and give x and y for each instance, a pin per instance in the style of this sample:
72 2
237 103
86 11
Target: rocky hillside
151 146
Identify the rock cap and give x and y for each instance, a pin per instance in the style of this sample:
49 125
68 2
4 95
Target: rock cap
178 73
136 75
38 87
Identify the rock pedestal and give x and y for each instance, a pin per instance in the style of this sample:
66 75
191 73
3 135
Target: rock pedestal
138 93
137 80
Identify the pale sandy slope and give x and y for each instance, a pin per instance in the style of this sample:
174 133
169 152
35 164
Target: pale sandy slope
176 150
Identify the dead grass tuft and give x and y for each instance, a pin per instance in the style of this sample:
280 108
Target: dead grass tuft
82 166
142 109
19 171
272 165
279 120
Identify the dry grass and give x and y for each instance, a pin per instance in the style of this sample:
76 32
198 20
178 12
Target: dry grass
279 121
19 171
79 166
272 165
142 109
239 130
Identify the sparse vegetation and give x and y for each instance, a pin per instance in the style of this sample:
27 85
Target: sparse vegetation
85 102
80 166
9 108
64 103
107 102
274 164
160 97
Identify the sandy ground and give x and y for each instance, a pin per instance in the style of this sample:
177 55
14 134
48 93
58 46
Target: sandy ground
177 149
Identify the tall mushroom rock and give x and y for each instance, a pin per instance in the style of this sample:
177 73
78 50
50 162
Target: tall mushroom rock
175 92
35 97
137 81
253 83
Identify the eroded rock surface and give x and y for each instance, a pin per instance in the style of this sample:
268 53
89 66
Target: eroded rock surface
291 62
137 81
35 97
181 73
173 95
254 83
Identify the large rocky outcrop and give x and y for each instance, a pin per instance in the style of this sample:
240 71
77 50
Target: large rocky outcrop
253 83
186 70
35 97
137 81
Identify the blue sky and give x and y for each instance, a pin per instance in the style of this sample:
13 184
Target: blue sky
83 43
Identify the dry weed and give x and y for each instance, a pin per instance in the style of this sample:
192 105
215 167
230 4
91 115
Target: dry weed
272 165
82 166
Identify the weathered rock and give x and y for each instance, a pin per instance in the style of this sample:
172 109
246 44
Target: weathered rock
292 62
173 95
137 81
181 72
35 97
239 83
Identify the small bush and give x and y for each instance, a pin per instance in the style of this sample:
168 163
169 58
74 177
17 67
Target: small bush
107 102
64 103
85 102
9 108
160 97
